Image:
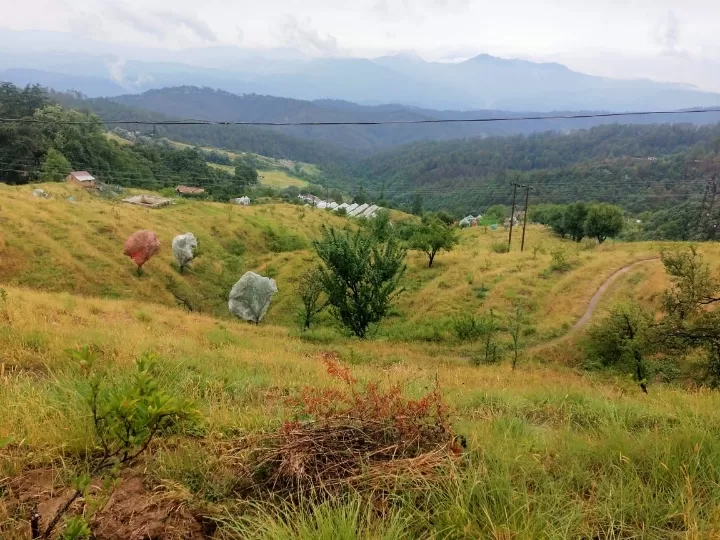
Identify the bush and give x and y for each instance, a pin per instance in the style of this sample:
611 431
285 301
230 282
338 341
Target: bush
559 261
366 438
470 328
621 341
467 327
499 247
125 420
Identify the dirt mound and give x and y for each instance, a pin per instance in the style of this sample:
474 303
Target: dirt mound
134 511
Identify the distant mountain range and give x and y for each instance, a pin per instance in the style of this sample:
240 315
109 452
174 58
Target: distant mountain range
207 104
482 82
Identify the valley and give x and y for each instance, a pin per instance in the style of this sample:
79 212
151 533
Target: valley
288 371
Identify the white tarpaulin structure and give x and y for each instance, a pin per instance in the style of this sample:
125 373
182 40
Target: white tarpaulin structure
466 221
250 297
183 248
242 201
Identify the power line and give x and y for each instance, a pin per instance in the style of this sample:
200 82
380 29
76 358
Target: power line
356 123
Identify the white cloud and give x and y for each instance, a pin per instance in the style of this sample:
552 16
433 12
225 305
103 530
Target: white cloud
116 68
667 34
303 36
160 24
197 26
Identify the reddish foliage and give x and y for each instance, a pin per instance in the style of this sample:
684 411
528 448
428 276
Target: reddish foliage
365 437
141 246
415 422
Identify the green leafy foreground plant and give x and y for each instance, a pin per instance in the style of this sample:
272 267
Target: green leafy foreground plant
126 419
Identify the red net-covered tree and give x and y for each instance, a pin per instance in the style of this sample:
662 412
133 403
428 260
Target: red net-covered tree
141 246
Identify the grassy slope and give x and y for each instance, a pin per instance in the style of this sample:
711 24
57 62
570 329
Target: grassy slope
276 179
58 245
556 454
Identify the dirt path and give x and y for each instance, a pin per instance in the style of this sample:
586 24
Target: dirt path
582 322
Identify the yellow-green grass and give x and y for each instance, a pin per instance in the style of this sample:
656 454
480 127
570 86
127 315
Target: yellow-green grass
276 179
111 136
280 179
274 165
552 453
76 247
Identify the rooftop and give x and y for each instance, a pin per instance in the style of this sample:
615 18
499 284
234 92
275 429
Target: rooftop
82 176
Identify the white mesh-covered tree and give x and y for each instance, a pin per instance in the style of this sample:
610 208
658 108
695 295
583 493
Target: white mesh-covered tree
250 297
183 248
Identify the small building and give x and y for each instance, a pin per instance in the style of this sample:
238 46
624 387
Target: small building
148 201
188 191
81 178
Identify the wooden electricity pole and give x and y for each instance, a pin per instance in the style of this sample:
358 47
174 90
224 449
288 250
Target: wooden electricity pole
525 212
512 214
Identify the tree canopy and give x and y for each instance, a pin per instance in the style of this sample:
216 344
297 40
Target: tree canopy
432 237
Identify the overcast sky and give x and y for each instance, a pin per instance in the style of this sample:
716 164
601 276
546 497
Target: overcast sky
663 39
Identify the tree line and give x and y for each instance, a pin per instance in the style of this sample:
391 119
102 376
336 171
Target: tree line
49 150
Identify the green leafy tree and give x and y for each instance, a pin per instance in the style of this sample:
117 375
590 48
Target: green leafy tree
604 221
691 326
380 226
360 276
497 213
622 341
55 167
574 218
360 197
245 174
433 237
310 292
336 195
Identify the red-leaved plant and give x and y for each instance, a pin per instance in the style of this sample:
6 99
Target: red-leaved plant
358 435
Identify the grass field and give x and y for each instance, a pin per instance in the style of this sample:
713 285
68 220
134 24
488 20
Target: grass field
276 179
552 451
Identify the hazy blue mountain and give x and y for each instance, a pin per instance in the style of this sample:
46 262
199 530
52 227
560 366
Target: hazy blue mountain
482 82
91 86
219 105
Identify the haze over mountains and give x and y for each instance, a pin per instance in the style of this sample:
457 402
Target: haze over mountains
483 82
189 102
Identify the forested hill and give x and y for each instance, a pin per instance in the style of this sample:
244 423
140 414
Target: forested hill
239 138
218 105
639 167
59 140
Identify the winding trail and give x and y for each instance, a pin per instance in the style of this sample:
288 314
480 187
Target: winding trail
582 321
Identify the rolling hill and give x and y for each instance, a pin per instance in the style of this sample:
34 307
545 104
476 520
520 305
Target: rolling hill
216 105
545 434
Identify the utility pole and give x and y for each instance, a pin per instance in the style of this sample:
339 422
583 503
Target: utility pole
525 212
704 224
512 214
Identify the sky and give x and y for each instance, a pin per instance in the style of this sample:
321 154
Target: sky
659 39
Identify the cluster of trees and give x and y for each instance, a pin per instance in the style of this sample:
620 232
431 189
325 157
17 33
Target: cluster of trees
638 167
66 139
687 333
233 137
578 220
